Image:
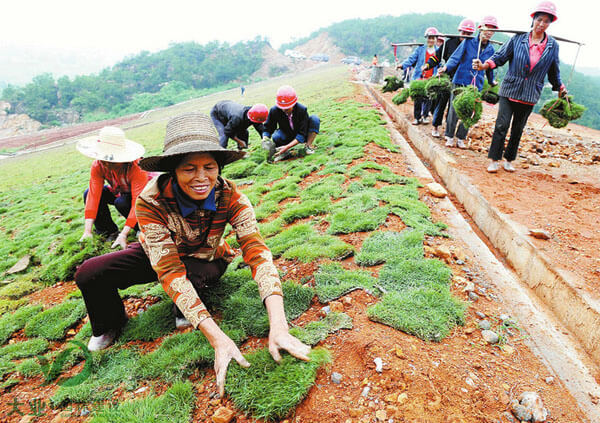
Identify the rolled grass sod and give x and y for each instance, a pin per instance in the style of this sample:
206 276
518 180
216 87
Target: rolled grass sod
53 323
427 313
333 281
269 390
10 323
382 246
408 274
315 332
174 406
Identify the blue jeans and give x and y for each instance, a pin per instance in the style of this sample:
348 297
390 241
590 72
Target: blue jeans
452 122
440 108
103 224
281 138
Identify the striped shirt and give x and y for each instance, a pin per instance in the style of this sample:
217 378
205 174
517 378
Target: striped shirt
166 236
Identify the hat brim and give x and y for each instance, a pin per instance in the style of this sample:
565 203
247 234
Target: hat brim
89 147
167 162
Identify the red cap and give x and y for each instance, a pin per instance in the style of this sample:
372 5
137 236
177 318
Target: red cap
286 97
258 113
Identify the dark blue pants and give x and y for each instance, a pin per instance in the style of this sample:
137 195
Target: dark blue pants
281 138
104 224
421 108
224 139
440 108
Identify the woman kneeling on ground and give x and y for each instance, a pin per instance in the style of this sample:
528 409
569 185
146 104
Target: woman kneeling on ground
182 215
532 56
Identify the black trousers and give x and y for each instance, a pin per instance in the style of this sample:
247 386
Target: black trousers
509 110
103 224
100 278
440 108
421 108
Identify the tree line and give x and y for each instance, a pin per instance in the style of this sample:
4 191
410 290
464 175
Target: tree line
138 83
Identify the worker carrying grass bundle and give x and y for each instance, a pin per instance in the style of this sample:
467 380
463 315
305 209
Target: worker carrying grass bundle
442 54
117 164
421 55
531 57
561 111
182 216
289 124
232 121
461 63
392 83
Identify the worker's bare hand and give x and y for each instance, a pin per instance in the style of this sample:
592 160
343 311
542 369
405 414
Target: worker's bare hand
280 339
562 93
477 65
86 236
121 241
225 351
441 70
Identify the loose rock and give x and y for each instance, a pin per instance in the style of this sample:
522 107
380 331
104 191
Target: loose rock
549 380
365 391
540 234
20 265
381 415
336 306
436 190
378 365
484 325
336 378
480 314
442 252
473 296
223 415
529 404
490 336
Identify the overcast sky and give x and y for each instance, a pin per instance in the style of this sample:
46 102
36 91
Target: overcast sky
124 27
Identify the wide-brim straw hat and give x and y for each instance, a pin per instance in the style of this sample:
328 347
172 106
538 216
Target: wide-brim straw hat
110 145
189 133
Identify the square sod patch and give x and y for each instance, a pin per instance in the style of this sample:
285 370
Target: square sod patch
332 281
385 246
269 390
53 323
10 323
315 332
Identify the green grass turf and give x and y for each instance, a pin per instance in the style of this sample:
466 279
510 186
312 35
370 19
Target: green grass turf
308 208
6 367
24 349
382 246
333 281
355 220
174 406
111 368
315 332
10 323
158 320
429 314
18 289
407 274
329 187
269 390
53 323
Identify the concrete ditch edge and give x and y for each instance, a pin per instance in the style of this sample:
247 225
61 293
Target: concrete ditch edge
559 291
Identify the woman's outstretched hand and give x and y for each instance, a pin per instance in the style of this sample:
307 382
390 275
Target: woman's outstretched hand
225 351
280 339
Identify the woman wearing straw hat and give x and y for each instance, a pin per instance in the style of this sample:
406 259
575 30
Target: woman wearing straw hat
182 216
116 162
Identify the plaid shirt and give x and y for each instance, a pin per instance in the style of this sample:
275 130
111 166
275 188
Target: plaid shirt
166 236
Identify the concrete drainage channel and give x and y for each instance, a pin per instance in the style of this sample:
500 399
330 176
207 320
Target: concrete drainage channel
556 303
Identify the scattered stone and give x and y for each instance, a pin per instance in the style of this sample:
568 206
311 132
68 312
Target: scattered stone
365 391
402 398
378 365
399 353
529 407
549 380
490 336
554 164
507 349
469 331
473 296
142 389
428 250
324 311
540 234
469 287
480 314
347 301
71 332
20 265
504 317
436 190
484 325
459 255
336 306
223 415
381 415
442 252
336 378
470 382
84 412
460 262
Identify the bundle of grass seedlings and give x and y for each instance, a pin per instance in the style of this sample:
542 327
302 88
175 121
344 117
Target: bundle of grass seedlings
438 86
489 94
561 111
401 97
417 89
467 105
392 83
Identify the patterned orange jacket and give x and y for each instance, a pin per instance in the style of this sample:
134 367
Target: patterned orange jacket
166 236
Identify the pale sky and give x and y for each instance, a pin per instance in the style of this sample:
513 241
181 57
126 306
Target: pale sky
125 27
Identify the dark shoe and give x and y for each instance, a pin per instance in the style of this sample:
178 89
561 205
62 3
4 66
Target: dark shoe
112 237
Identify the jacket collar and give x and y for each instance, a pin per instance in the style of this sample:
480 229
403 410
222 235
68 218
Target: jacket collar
188 206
